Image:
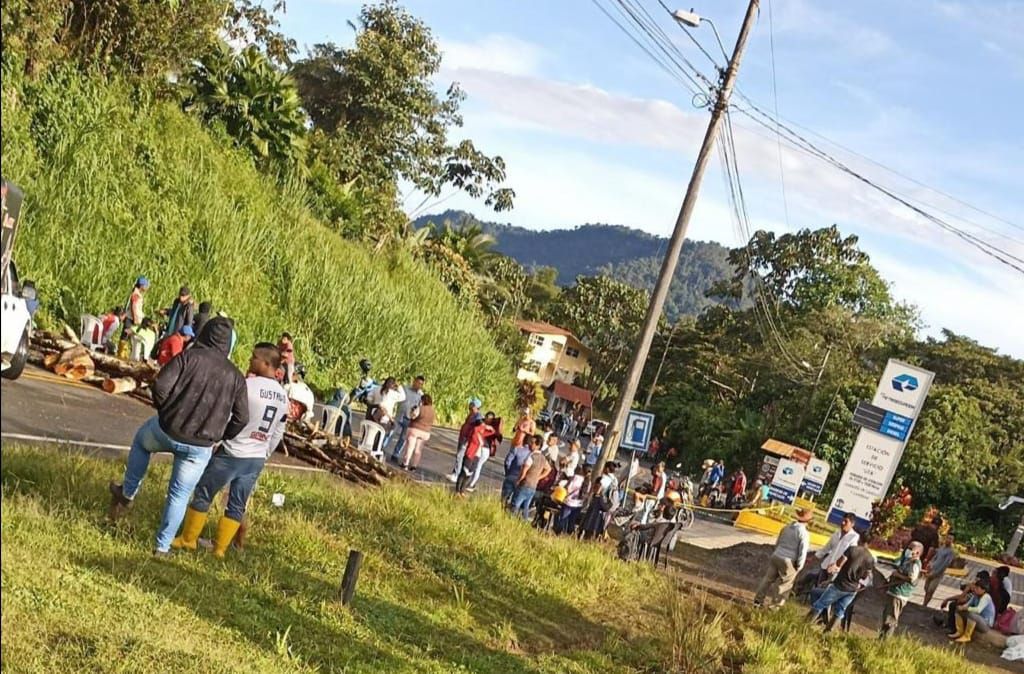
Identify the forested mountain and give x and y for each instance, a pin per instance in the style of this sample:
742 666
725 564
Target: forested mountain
623 253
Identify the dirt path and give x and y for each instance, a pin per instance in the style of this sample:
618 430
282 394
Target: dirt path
732 573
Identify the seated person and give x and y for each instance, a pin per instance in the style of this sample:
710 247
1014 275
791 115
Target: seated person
952 604
143 339
979 615
111 328
300 396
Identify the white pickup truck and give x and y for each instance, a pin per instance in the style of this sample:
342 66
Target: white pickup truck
16 323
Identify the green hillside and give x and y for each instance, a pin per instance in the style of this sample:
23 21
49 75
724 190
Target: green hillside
623 253
119 184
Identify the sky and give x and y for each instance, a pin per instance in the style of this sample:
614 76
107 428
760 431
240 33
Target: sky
922 96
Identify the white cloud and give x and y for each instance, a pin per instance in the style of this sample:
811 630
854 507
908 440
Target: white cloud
497 53
811 21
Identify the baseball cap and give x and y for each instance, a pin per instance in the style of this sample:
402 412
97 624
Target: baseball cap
187 331
142 281
476 402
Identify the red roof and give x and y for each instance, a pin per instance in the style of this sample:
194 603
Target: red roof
540 327
573 393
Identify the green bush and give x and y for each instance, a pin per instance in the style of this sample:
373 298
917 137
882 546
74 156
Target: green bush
119 185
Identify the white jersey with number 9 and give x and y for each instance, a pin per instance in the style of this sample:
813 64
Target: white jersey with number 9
268 409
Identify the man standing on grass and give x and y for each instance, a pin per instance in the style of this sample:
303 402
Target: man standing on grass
851 570
240 460
786 561
901 585
937 566
413 394
201 399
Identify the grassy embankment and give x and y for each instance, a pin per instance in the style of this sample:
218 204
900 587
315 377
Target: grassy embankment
119 185
446 587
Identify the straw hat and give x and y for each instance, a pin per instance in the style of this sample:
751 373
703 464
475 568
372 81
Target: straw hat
804 515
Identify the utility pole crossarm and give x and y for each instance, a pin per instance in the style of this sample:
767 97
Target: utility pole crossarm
668 265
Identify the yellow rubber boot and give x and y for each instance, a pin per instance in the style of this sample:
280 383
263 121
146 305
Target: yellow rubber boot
190 530
226 530
968 632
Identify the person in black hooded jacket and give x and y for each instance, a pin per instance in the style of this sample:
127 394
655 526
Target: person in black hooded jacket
201 399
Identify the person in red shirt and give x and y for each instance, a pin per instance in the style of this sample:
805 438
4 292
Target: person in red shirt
479 436
739 487
173 345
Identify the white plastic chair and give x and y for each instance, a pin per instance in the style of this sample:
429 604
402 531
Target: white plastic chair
92 331
332 420
373 439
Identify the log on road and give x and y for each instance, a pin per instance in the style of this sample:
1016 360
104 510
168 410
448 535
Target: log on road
333 456
118 384
52 344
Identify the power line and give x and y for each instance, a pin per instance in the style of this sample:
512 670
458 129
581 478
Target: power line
658 39
775 97
980 244
692 38
674 73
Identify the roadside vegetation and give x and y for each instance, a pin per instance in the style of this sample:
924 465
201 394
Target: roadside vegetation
120 184
445 587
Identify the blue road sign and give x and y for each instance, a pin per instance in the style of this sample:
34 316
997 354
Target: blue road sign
637 434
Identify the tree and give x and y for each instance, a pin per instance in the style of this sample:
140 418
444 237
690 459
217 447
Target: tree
258 105
606 316
139 37
378 100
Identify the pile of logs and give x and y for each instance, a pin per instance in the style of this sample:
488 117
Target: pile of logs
67 357
332 454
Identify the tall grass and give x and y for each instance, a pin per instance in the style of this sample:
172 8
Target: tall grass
446 586
119 185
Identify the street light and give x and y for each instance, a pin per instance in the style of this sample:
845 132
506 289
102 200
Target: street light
693 20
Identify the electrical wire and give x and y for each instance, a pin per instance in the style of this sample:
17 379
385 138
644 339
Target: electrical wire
693 38
775 98
672 72
983 246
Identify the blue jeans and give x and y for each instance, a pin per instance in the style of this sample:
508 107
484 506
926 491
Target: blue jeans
835 598
522 500
241 473
189 462
508 486
402 429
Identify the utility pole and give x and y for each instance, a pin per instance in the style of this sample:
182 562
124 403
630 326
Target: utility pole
675 245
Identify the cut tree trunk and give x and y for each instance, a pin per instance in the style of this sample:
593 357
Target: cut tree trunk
119 385
74 363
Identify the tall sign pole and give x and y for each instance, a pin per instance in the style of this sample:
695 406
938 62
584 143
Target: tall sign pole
675 245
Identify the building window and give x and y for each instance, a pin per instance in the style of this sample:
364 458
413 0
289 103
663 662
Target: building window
537 340
532 366
572 353
556 346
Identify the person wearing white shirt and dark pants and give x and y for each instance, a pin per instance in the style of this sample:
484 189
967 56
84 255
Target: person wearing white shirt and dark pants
829 554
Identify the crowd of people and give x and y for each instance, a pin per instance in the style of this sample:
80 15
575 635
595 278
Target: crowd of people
221 427
834 577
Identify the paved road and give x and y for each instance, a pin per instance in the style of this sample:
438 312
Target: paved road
44 408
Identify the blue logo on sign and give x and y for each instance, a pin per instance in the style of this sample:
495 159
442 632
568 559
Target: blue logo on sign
787 471
905 382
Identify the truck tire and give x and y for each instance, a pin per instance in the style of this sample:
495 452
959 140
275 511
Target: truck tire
19 359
